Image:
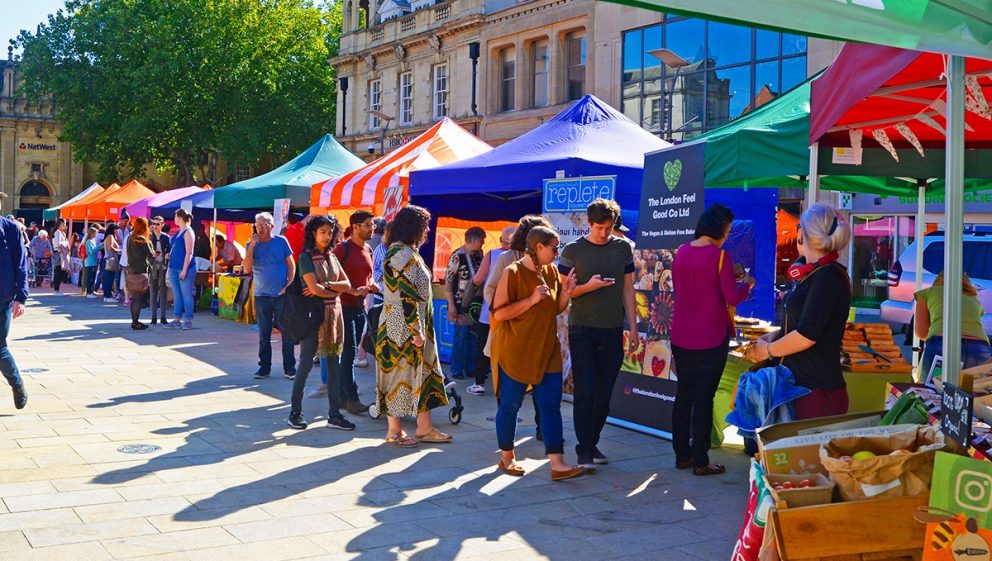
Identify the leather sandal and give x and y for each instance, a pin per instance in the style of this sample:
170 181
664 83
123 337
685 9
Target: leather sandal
712 469
511 468
567 474
435 436
401 440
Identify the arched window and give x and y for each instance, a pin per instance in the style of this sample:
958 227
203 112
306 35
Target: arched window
35 194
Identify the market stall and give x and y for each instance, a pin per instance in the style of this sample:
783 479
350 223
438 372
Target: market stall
383 185
77 210
109 206
143 207
53 213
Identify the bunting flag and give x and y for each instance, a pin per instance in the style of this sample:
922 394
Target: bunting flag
930 122
976 102
907 133
940 107
883 138
856 135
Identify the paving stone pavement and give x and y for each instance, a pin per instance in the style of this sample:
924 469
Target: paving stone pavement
232 481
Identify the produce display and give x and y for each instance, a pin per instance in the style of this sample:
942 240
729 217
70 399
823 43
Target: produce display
868 347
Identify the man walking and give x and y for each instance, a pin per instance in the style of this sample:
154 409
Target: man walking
356 259
13 295
270 261
604 270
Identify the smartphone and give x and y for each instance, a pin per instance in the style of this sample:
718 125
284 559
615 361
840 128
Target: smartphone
609 279
254 229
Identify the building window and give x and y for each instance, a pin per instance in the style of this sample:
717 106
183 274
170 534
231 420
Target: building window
539 63
719 72
575 64
406 98
507 78
375 103
440 91
242 173
35 168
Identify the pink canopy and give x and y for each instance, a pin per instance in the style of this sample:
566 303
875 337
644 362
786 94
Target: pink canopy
141 208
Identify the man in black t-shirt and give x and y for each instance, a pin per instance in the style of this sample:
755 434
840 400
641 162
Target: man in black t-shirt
604 270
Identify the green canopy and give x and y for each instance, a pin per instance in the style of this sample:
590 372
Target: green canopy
323 160
768 147
960 27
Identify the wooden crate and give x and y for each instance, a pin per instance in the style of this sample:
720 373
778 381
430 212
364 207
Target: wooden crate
852 531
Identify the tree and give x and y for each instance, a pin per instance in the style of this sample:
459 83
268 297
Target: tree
170 81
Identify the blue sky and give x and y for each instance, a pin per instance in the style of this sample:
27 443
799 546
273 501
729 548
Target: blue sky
16 15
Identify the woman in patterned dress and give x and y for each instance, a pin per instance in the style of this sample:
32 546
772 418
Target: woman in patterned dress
409 381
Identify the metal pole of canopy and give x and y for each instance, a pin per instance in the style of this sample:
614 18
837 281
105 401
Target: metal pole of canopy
812 190
213 264
954 219
921 228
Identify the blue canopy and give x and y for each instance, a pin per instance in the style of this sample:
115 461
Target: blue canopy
589 138
323 160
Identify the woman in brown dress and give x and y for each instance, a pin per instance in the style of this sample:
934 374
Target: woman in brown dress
526 351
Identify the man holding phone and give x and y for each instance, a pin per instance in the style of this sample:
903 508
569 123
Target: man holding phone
604 270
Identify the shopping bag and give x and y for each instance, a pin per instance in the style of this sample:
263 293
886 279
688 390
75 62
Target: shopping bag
905 473
959 517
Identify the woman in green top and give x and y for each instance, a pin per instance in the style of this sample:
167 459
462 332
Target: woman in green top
322 277
930 324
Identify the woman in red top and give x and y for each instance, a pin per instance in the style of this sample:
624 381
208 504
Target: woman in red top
705 285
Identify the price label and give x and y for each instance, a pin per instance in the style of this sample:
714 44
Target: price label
956 413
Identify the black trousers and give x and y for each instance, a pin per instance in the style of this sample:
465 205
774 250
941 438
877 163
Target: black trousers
699 374
482 362
57 277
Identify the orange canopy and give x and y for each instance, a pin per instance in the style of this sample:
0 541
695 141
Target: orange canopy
107 208
77 210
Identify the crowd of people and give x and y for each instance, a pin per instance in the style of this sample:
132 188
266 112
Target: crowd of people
321 282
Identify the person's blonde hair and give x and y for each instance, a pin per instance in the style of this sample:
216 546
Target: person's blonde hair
825 228
966 285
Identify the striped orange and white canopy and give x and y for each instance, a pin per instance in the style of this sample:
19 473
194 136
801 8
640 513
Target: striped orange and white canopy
366 187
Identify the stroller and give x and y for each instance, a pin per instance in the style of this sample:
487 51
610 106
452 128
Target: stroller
42 270
368 343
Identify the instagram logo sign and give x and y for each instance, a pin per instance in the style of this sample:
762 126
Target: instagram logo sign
973 491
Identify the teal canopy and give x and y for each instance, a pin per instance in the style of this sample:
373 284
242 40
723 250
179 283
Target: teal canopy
323 160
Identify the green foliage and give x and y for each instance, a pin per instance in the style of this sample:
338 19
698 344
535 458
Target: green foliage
168 81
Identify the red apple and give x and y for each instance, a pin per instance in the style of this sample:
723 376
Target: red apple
788 485
805 483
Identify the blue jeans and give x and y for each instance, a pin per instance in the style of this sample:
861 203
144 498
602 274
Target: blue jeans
463 351
7 365
90 274
267 312
596 357
547 398
182 294
354 325
973 353
109 282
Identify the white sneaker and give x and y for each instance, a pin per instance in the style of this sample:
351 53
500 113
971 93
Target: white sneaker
361 363
319 392
476 389
92 296
109 301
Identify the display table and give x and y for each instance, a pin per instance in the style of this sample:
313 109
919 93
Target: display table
866 391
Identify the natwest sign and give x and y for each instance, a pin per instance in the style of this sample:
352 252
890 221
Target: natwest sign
33 146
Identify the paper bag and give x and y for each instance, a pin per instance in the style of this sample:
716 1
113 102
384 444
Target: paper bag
886 474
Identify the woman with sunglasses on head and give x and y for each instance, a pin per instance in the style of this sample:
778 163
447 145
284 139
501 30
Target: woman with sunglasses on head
816 311
157 273
526 351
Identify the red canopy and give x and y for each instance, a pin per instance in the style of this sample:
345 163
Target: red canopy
872 87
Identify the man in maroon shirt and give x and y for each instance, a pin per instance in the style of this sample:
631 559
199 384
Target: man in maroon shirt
356 258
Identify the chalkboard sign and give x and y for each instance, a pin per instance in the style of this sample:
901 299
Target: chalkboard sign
955 414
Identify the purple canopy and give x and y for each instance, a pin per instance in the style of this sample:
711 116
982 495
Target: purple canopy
141 208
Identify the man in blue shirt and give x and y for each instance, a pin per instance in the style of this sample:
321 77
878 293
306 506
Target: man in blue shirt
270 260
13 295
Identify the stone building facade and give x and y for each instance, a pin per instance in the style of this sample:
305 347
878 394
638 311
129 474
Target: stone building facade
534 58
37 169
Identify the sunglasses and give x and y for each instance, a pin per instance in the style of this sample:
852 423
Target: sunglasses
555 248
